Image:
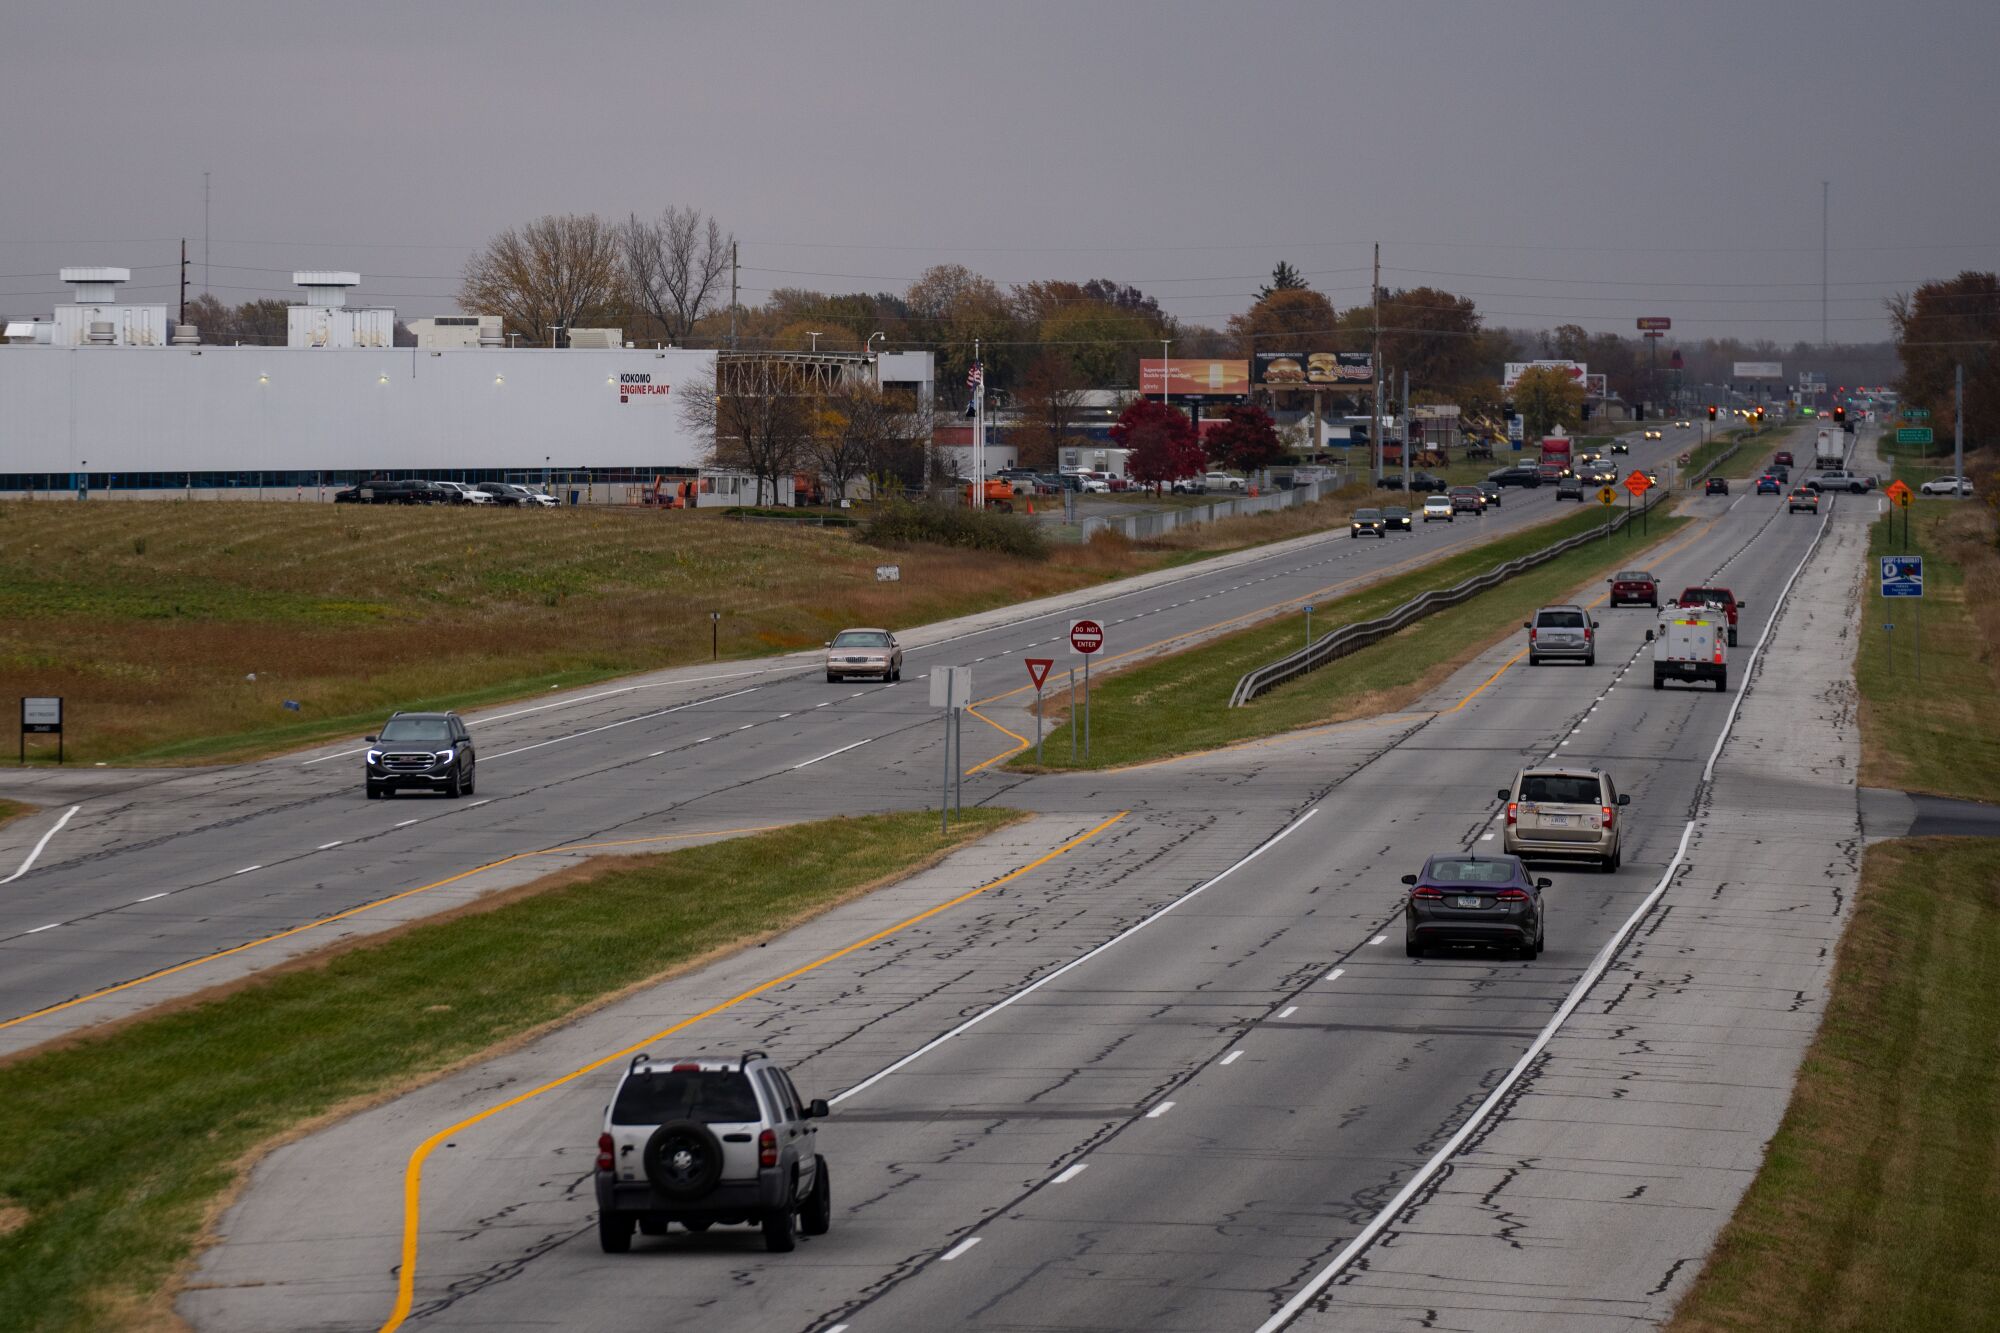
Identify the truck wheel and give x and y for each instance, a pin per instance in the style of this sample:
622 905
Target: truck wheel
614 1231
780 1235
832 678
1659 681
1732 636
1722 682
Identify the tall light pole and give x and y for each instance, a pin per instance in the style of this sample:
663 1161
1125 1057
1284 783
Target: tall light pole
867 348
815 343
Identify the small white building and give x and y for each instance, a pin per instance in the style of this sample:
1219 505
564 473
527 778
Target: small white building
324 319
444 332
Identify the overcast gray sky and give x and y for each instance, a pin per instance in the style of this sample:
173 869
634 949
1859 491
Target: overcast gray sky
1556 161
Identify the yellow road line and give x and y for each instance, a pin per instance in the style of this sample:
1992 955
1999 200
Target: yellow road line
413 1173
1020 743
357 911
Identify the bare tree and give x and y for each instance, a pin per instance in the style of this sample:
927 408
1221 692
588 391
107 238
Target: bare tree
862 432
753 417
675 267
1050 400
561 269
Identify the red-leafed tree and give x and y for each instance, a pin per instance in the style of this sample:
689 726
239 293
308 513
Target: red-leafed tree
1162 441
1246 440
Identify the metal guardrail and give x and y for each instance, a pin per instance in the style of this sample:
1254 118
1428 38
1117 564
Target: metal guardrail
1354 637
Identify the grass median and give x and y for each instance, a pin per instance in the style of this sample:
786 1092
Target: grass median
12 810
1180 703
1874 1207
117 1146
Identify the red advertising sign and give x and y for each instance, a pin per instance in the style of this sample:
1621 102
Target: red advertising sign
1038 669
1085 636
1655 322
1191 377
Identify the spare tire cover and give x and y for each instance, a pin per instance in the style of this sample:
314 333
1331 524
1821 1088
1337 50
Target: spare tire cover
683 1159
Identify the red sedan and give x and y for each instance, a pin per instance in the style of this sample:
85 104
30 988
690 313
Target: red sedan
1634 587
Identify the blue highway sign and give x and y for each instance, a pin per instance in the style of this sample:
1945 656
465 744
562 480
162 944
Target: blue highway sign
1902 576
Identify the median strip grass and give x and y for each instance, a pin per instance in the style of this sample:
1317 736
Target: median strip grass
12 810
1874 1207
1177 704
118 1145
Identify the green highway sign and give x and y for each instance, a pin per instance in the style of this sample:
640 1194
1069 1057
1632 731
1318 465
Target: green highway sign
1914 435
1916 414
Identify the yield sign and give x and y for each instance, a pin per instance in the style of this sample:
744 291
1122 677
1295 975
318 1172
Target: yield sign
1636 483
1038 669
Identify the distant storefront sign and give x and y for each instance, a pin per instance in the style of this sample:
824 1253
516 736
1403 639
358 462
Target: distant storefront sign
1311 370
1655 322
1192 377
1576 370
1759 370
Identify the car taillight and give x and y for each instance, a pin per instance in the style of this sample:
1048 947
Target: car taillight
1531 633
687 1069
1608 816
1427 894
1513 807
767 1148
1586 634
1512 896
605 1150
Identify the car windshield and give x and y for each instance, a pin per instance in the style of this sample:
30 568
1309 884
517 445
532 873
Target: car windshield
1438 500
416 729
1465 870
712 1095
861 638
1395 511
1720 595
1366 515
1560 789
1560 620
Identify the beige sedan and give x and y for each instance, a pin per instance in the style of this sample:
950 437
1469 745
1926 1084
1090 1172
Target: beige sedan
863 652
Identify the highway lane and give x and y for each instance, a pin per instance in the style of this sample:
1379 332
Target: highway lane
168 869
1354 1061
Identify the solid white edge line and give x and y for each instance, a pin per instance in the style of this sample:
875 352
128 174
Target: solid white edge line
28 862
1366 1236
1069 1173
1076 962
831 753
1750 666
958 1249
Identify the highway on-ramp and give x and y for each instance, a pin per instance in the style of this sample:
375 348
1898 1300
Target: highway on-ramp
1154 1081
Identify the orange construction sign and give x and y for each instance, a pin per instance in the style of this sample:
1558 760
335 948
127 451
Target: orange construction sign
1899 493
1636 483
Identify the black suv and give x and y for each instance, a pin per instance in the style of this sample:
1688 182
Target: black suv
1517 475
428 751
699 1140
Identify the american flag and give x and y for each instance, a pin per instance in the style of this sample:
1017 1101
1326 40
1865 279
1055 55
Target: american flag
975 375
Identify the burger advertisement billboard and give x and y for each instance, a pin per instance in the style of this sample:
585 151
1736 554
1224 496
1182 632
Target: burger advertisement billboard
1310 370
1189 378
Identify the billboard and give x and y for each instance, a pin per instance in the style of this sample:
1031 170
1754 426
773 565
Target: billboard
1189 377
1311 370
1759 370
1577 370
1655 322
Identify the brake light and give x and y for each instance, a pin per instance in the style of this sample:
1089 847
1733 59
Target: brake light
1608 816
687 1069
1586 634
1512 895
767 1148
1532 631
1513 807
1427 893
605 1149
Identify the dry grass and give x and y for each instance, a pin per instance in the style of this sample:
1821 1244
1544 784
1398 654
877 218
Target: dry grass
177 631
12 810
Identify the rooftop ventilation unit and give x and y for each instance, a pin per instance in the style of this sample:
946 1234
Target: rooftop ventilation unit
95 285
326 287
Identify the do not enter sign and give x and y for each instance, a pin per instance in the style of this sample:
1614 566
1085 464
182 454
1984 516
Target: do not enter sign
1085 637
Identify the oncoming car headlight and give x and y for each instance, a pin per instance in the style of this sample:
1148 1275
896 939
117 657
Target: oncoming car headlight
374 756
446 756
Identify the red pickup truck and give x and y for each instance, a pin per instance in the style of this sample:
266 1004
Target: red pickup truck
1721 597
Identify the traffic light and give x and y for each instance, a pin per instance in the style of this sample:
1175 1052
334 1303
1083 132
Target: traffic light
1711 411
1839 413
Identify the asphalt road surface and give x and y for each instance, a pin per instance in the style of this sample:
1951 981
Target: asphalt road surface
156 870
1158 1078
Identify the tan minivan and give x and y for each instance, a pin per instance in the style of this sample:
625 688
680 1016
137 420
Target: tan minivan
1564 814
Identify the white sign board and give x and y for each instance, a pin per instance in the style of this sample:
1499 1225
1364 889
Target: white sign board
1759 370
1576 370
41 713
951 687
888 573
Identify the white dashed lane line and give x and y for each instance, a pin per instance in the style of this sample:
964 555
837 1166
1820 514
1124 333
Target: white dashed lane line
259 866
1384 939
1336 974
959 1249
329 846
1232 1057
1288 1011
149 897
39 929
1159 1110
1069 1174
831 753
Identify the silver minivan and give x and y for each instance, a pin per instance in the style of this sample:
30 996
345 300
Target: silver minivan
1564 814
1561 632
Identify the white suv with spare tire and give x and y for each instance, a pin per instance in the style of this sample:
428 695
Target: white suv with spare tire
700 1140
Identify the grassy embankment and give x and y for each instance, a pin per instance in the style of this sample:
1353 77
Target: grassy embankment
117 1146
1873 1209
1176 704
178 631
10 810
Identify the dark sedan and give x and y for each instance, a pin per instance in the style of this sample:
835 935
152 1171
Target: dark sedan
1491 492
1634 587
1464 898
1515 476
1396 518
1367 523
1717 486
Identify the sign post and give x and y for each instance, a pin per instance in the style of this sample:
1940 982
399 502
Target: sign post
1899 495
951 690
1038 672
42 716
1309 624
715 636
1637 483
1086 637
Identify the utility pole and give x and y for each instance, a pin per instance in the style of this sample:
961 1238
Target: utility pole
1406 436
205 281
1375 362
732 296
1958 431
1825 190
184 280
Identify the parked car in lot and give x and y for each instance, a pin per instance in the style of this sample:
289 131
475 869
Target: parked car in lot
1634 587
1419 481
1557 632
1570 488
1436 507
1223 481
1465 898
1520 474
1722 599
1396 518
1716 486
383 492
458 492
863 652
511 493
1562 813
1947 486
699 1141
1802 498
419 752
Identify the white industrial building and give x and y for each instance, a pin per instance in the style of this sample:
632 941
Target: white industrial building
108 399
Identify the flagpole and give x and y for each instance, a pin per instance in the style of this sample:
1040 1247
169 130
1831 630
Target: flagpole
979 432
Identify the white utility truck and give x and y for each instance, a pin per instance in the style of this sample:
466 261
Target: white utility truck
1690 644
